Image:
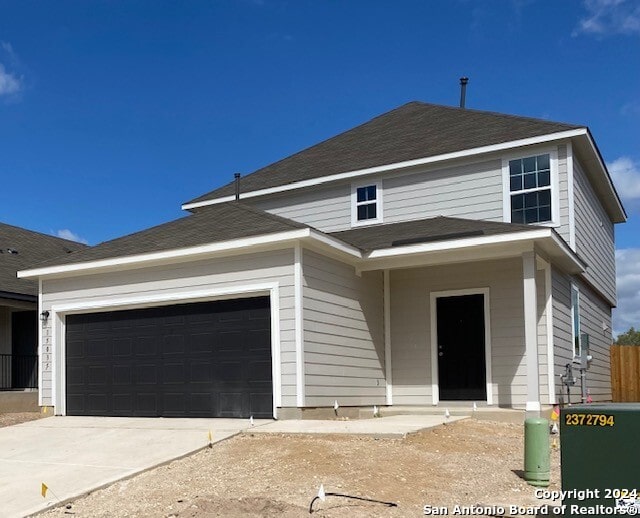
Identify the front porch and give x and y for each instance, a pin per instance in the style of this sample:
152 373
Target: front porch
434 320
476 332
18 357
467 315
473 325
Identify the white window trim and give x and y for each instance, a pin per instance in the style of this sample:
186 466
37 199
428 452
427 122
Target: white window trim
555 184
574 287
354 203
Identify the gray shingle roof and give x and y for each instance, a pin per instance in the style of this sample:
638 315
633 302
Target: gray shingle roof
414 130
234 220
213 224
423 231
28 249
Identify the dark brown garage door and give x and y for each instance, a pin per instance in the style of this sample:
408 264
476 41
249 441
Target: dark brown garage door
209 359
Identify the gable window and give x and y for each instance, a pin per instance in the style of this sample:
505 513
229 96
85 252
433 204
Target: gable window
575 321
530 189
366 203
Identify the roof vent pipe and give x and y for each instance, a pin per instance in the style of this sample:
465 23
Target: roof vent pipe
463 90
236 177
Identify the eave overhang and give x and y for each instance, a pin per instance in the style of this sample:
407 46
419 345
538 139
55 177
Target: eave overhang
218 249
502 246
509 244
596 169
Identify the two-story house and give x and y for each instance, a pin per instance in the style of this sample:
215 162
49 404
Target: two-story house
432 254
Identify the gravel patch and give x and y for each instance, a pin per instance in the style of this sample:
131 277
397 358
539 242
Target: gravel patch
466 463
9 419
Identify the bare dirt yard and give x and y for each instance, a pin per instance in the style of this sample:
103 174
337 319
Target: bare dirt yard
467 462
9 419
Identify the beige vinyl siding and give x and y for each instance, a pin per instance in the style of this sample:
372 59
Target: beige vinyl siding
543 370
468 190
595 241
343 333
595 320
327 208
181 279
465 190
472 191
562 333
563 194
410 327
45 360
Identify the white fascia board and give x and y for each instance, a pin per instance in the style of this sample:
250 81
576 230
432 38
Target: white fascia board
338 245
307 234
612 188
542 235
391 167
168 255
454 244
560 243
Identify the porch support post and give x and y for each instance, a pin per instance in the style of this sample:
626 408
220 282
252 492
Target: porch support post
551 376
387 336
531 333
299 335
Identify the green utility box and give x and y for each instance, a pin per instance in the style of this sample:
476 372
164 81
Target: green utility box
600 456
537 465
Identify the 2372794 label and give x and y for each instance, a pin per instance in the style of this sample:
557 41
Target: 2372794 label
571 419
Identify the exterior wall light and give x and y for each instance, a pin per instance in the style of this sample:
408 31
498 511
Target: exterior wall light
44 316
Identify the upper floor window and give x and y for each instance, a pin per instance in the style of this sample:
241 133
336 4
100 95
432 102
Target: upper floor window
530 189
366 203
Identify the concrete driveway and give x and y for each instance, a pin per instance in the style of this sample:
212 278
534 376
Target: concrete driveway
74 455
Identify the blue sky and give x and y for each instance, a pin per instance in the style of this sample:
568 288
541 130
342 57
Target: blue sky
114 113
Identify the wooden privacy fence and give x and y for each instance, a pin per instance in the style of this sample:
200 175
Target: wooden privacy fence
625 373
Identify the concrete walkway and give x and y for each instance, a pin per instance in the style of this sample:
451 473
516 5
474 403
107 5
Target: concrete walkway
75 455
396 426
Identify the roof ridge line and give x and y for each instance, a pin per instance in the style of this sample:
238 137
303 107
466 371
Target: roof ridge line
499 114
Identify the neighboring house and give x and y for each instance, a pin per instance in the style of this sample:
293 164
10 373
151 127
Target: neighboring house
432 254
20 249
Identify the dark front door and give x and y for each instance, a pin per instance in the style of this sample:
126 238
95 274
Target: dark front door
461 347
209 359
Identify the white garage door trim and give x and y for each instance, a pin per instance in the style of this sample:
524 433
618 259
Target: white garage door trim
59 312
